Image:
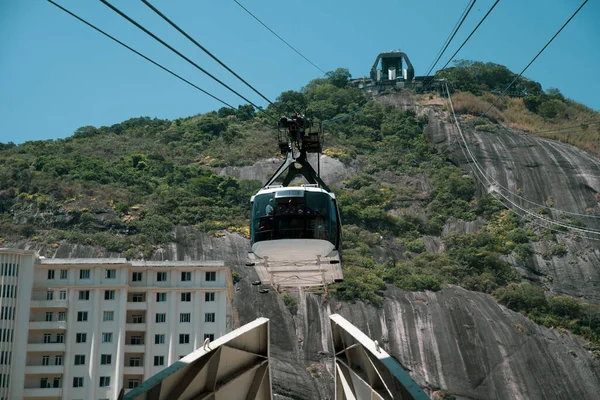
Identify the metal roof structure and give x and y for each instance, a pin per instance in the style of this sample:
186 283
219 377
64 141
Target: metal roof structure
363 370
236 366
233 367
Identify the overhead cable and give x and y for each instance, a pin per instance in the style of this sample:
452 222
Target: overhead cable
471 34
464 17
492 183
122 14
448 38
279 37
497 184
531 62
174 25
139 54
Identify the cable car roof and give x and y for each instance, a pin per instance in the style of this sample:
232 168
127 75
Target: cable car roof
304 188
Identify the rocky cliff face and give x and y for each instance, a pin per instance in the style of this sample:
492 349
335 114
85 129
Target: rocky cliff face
455 339
541 174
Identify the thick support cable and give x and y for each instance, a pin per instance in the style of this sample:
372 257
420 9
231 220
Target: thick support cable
139 54
531 62
492 183
184 33
472 33
452 37
122 14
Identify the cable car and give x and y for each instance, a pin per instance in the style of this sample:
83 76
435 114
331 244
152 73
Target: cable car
296 230
295 223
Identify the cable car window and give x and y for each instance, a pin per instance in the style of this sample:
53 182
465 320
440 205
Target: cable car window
294 214
317 210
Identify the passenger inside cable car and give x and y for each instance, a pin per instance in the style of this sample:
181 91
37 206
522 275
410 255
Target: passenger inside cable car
294 214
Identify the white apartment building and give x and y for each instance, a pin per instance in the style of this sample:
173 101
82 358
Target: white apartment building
95 326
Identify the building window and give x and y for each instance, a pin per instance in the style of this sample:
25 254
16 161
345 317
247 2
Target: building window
135 361
5 358
109 295
64 273
84 295
133 383
44 383
4 381
209 296
82 316
209 317
84 274
106 359
45 360
136 276
8 313
80 338
10 269
185 317
110 273
78 382
109 316
62 316
209 336
107 337
138 298
159 339
159 360
50 274
79 359
161 276
9 291
47 337
137 318
136 340
161 297
63 295
186 276
104 381
161 317
7 335
184 338
58 360
186 296
56 382
210 276
60 338
48 316
50 295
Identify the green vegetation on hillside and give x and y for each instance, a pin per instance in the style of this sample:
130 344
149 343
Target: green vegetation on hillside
530 108
125 187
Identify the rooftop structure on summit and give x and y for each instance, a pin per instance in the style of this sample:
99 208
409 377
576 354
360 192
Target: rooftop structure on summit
393 69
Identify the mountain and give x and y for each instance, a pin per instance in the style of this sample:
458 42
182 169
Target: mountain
476 297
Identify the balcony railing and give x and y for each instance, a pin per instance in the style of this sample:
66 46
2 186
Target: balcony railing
137 305
127 370
49 303
42 392
47 325
46 347
130 326
135 348
44 369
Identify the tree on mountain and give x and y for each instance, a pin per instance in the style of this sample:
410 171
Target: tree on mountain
339 78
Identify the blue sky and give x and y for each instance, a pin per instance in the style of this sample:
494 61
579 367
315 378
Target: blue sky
57 74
